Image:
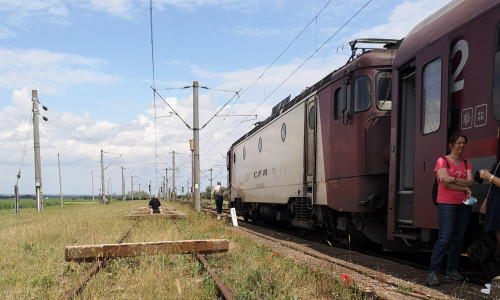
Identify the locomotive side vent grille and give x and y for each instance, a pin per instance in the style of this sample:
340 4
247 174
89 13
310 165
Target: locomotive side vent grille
301 210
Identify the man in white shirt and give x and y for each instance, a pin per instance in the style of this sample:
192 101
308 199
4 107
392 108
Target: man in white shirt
218 193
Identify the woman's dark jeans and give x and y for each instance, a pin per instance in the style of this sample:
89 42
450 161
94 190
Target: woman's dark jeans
453 220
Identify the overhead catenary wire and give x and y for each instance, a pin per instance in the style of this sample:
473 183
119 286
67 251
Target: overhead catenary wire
173 110
25 147
254 83
300 66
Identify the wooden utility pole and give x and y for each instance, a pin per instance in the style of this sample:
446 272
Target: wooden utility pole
38 164
196 138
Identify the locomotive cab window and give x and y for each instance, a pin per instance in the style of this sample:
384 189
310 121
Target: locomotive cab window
496 76
362 93
431 97
337 103
312 116
383 87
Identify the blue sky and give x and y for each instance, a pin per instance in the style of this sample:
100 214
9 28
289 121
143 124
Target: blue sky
92 65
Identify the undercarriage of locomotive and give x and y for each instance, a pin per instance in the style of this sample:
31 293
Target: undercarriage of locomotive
350 229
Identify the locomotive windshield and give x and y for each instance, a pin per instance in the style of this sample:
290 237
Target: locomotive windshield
383 85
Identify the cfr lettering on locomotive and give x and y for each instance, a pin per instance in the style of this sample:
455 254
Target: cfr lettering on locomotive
260 173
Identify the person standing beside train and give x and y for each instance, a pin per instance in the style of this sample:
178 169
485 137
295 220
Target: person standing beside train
455 178
218 193
491 219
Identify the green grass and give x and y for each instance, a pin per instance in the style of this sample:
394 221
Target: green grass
8 204
32 262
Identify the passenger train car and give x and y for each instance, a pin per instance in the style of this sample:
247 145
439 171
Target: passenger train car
355 153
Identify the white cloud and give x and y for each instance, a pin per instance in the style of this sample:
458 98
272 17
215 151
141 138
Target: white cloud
52 72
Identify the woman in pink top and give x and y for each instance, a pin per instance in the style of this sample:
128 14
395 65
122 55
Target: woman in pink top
455 177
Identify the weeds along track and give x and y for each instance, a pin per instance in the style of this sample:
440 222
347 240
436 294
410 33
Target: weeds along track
383 276
97 265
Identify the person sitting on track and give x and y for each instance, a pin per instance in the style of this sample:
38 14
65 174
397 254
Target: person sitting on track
154 205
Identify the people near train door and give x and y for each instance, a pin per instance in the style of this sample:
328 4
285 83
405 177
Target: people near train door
455 178
218 193
154 205
491 219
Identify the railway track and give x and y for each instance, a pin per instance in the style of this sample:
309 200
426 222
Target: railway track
385 275
71 293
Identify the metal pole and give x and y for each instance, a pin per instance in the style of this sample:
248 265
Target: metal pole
38 167
60 184
196 138
102 179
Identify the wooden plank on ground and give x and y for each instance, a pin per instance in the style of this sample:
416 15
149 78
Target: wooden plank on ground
95 252
164 215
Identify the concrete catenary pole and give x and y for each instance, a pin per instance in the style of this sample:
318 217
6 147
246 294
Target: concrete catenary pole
191 147
211 187
38 164
60 184
110 192
103 194
92 174
173 176
167 194
123 187
196 138
132 187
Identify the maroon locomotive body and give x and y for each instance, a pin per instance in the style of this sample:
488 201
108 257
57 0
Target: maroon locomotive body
367 136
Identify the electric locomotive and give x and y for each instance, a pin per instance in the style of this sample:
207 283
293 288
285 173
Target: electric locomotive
322 159
355 153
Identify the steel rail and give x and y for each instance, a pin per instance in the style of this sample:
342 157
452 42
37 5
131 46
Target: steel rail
96 266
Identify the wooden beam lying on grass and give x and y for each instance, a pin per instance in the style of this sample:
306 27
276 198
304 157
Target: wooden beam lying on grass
163 215
95 252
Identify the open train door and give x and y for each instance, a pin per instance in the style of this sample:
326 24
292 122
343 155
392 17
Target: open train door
421 136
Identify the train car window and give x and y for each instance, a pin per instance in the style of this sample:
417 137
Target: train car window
244 152
496 76
362 93
260 144
234 158
383 88
431 97
312 116
283 132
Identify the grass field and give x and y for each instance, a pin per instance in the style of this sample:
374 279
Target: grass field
32 262
6 204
